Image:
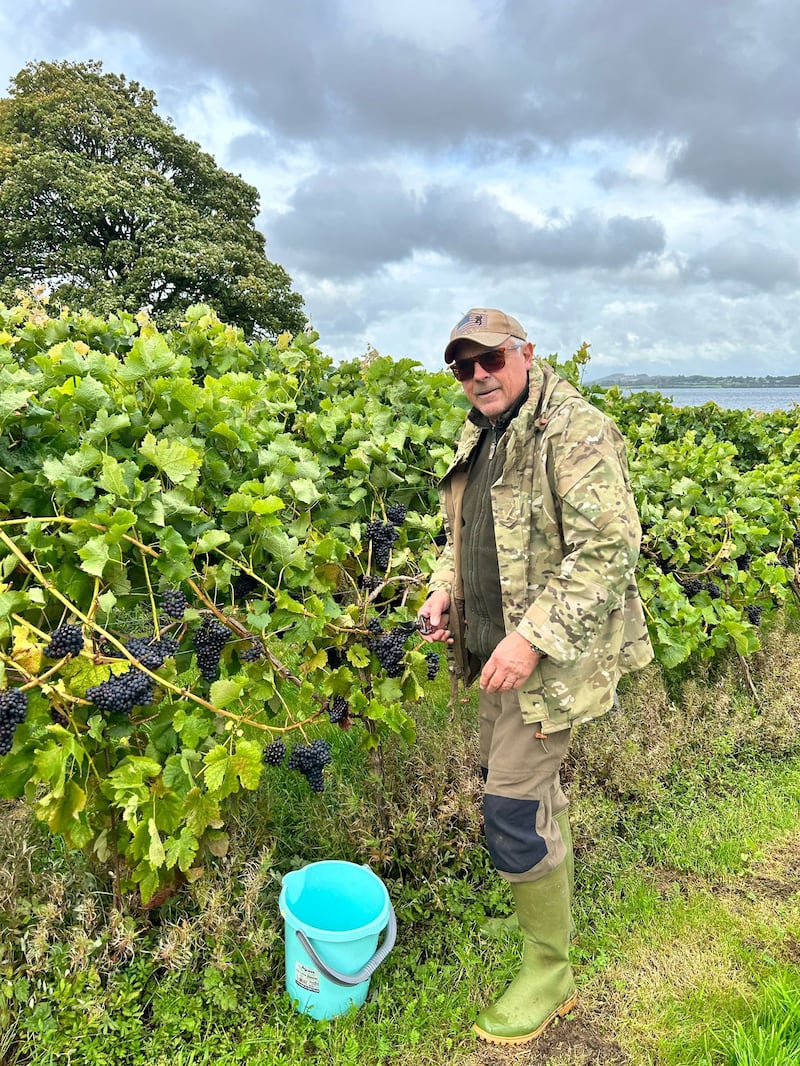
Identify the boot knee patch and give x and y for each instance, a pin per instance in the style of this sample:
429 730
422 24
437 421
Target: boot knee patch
511 836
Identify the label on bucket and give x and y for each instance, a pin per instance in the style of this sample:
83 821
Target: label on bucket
305 977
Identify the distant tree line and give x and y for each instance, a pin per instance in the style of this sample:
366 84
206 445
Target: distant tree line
688 381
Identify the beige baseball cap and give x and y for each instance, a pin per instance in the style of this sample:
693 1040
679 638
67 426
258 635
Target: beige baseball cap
486 326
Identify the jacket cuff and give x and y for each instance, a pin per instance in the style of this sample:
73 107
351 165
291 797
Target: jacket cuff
537 639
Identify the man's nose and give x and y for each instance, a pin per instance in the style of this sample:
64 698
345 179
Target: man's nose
479 372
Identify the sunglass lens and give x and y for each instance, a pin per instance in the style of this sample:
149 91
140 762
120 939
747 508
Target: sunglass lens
491 362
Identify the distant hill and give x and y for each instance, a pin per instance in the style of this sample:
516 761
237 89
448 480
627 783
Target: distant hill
680 381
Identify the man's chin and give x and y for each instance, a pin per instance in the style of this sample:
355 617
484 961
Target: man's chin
492 406
489 401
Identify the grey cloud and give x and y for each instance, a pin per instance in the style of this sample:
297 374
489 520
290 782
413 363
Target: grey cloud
347 223
750 262
252 146
476 229
614 178
351 222
731 162
706 74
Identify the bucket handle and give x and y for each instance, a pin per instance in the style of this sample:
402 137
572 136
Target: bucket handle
367 970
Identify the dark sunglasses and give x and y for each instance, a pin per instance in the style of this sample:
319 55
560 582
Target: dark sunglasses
491 362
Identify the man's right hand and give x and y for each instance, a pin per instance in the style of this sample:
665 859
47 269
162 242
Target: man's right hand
436 609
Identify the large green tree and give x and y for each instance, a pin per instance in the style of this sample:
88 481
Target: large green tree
103 202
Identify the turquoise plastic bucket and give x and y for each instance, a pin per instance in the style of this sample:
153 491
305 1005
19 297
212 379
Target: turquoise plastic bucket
333 914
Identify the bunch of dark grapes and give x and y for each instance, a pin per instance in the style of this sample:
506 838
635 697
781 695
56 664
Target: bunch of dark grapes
66 640
369 583
396 514
122 692
59 718
208 641
335 659
150 651
713 589
374 627
431 664
309 760
744 561
382 536
796 539
13 709
692 585
244 585
440 539
389 650
339 710
253 652
753 612
275 753
174 603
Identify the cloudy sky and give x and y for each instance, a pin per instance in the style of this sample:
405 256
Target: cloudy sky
620 172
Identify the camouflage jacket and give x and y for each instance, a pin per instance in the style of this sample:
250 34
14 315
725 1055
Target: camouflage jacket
568 536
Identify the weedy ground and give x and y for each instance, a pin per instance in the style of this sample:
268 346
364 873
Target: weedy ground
686 815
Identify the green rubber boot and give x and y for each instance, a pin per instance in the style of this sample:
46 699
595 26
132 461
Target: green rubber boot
544 988
499 928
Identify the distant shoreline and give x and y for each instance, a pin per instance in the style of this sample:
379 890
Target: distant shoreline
640 381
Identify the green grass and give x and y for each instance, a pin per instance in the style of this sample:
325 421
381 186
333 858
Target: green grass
769 1035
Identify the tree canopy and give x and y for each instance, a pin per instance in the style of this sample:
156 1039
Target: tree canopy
108 206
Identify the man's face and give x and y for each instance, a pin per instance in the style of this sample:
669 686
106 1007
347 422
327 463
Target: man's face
493 393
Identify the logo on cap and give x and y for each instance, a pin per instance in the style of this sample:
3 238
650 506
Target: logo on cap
474 319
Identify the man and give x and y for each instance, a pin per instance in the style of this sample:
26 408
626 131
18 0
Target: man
535 591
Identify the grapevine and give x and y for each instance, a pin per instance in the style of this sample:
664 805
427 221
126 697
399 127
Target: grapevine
132 682
219 569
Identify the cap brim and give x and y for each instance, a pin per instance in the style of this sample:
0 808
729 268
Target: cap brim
485 340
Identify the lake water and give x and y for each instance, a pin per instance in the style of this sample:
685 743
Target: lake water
756 399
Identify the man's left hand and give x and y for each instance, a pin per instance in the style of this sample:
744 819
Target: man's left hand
511 664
